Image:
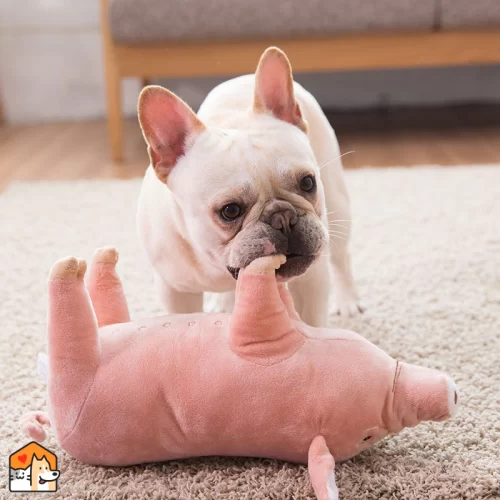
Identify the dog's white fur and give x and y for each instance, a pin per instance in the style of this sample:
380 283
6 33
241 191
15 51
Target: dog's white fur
244 132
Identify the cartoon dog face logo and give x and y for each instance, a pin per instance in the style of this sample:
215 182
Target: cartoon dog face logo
33 468
43 478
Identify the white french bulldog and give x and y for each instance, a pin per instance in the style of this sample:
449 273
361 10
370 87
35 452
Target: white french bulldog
257 171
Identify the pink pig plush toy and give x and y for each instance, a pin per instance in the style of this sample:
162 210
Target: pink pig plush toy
257 382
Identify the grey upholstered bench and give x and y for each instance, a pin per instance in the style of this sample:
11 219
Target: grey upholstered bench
191 38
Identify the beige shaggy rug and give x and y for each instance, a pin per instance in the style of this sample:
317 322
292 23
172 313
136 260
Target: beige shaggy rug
426 251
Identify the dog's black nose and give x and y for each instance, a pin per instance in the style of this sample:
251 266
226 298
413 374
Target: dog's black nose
284 221
280 215
54 473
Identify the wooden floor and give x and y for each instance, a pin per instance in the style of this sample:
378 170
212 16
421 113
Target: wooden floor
80 150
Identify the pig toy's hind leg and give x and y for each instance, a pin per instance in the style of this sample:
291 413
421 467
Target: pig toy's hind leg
32 424
105 288
72 326
73 344
321 467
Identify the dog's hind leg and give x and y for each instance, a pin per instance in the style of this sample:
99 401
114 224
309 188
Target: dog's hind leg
73 343
310 293
105 288
338 214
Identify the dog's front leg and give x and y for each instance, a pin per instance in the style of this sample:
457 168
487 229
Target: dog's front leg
339 225
311 292
176 302
338 215
219 302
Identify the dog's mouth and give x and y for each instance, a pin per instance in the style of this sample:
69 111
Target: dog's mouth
43 481
234 271
295 265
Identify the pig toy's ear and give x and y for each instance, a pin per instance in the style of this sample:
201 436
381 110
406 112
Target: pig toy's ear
168 125
321 466
261 328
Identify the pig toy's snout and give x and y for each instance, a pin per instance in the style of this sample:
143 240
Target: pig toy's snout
422 394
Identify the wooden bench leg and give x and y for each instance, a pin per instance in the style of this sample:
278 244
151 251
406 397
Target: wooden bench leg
113 88
115 118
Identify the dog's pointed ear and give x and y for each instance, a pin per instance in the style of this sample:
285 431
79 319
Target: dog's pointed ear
274 88
168 125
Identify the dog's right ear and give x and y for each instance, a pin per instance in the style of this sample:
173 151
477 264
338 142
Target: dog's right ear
274 92
168 125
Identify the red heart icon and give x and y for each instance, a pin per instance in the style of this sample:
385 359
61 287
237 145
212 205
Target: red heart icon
22 458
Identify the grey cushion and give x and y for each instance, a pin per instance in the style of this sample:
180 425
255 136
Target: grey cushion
136 21
470 13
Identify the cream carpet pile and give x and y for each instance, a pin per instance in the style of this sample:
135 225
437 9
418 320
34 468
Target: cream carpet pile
426 251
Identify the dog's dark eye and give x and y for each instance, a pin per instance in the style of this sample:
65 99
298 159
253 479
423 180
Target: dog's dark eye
231 211
307 183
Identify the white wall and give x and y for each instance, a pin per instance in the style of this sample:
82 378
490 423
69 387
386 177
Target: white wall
51 69
50 61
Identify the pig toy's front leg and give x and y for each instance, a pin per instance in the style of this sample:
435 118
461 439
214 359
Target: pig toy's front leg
321 466
262 326
264 330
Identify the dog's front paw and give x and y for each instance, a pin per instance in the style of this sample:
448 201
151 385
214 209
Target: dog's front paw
347 304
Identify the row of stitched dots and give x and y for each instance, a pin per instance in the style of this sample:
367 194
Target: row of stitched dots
166 325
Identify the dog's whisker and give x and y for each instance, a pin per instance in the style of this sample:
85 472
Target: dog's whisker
338 236
337 225
332 212
330 240
333 159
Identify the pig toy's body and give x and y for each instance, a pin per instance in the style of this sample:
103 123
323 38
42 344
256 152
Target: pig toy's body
258 382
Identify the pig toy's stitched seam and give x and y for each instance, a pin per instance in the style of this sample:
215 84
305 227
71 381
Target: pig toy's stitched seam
267 363
250 359
332 340
396 374
70 432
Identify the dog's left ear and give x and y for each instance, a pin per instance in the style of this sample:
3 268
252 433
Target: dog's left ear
274 88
